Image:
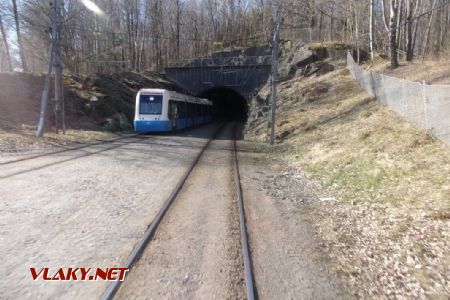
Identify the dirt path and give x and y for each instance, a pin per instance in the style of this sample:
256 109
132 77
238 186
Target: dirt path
195 253
84 212
287 259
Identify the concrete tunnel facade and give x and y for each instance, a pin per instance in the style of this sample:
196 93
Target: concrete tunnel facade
229 87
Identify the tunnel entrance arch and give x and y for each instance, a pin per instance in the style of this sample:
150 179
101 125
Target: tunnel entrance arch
228 103
229 83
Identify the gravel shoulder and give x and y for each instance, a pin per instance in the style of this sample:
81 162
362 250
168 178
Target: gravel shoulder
289 260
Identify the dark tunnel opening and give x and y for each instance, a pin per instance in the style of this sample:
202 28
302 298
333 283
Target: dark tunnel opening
228 104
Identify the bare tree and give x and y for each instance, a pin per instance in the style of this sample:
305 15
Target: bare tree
411 7
5 43
371 29
427 34
393 32
19 37
151 34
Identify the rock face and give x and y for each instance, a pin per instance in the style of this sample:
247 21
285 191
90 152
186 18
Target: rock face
298 56
241 56
296 60
307 59
103 101
117 122
110 99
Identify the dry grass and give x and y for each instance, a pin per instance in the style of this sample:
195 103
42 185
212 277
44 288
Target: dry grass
362 145
433 72
390 228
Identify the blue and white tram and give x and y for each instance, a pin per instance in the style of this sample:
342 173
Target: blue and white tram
162 110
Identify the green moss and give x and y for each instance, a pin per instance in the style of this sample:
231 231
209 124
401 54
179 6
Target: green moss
338 46
316 46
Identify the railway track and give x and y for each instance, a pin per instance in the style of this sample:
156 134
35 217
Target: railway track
148 235
250 287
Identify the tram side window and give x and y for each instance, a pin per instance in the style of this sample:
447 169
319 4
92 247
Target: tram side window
188 110
172 110
191 110
181 109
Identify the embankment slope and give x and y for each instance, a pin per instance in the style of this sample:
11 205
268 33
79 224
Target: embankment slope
386 222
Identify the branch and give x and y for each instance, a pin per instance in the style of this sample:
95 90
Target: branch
384 16
429 11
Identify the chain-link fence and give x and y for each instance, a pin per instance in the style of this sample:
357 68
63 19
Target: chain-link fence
428 106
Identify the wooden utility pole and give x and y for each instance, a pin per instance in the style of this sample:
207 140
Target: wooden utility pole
58 66
275 47
54 61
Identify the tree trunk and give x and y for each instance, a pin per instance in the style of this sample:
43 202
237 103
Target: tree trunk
178 31
5 42
409 31
371 29
393 33
384 16
320 26
444 30
356 18
19 37
427 35
399 19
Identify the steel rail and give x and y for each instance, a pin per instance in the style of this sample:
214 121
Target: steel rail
249 282
149 233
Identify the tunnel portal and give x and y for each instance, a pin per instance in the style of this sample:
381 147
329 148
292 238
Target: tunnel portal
228 104
229 83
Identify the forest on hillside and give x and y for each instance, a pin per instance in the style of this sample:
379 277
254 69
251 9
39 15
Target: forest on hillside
105 36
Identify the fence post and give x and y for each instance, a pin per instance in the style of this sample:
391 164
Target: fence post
424 98
403 98
348 63
373 84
